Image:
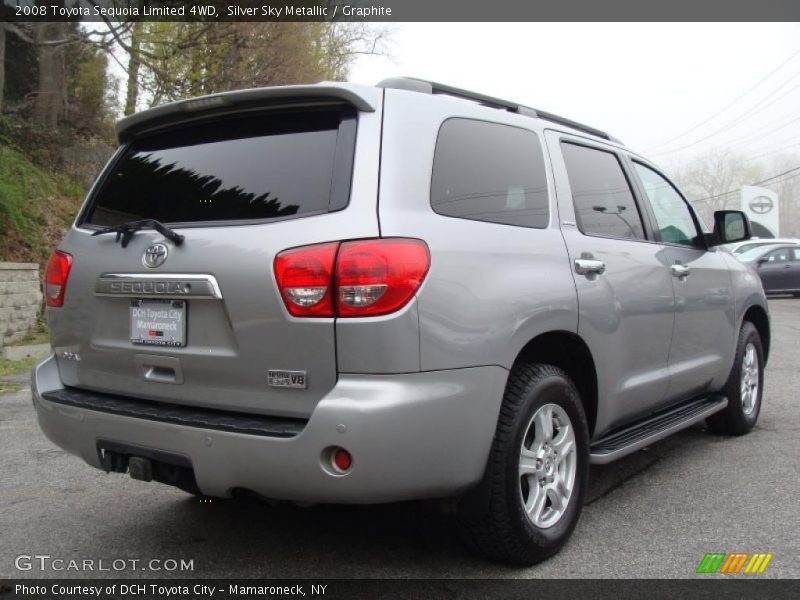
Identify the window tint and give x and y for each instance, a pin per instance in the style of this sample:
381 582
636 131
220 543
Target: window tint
673 216
604 203
251 168
489 172
796 253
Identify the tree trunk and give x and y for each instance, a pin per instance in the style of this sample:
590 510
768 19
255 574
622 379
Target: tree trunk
51 94
2 64
134 63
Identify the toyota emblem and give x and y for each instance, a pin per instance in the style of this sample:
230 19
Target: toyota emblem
155 255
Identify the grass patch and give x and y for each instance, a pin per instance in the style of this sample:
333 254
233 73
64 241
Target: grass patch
31 338
6 387
38 335
36 207
15 367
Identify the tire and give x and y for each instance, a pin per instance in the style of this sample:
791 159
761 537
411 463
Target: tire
493 520
743 408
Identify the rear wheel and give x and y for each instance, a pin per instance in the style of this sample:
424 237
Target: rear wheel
744 387
532 493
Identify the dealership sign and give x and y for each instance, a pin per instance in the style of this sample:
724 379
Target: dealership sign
762 207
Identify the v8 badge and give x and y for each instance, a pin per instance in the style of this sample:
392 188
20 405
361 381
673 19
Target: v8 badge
287 379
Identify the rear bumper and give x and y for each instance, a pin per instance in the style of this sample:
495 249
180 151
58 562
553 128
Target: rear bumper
412 436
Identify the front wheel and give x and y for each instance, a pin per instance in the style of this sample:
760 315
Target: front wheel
532 492
744 388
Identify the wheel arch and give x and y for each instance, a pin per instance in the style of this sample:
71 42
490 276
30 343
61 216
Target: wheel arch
760 320
567 351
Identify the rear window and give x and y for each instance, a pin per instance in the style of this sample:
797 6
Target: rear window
269 166
489 172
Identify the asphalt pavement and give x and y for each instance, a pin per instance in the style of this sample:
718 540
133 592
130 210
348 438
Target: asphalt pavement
653 514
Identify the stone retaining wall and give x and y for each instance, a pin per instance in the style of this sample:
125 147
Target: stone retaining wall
20 299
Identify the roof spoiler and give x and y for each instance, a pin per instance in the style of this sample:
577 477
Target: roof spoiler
174 112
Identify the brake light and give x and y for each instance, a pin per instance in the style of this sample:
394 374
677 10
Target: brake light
55 279
376 277
304 277
351 279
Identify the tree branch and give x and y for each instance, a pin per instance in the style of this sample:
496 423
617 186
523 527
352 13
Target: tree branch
29 40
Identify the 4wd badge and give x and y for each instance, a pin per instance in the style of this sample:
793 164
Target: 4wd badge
290 379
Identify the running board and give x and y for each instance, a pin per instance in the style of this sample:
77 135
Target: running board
625 441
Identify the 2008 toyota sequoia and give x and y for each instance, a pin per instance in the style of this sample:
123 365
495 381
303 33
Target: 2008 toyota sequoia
339 293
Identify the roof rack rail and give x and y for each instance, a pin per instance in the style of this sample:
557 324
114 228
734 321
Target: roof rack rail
430 87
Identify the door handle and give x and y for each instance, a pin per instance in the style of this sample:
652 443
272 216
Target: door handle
680 271
587 266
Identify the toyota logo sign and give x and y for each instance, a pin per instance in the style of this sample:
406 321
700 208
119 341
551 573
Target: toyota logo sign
761 205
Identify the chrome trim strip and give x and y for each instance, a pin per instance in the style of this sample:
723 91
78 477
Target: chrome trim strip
195 286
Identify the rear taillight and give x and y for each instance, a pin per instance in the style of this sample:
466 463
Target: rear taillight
352 279
376 277
304 277
55 278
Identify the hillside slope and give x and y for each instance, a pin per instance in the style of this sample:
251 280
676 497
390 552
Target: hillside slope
36 207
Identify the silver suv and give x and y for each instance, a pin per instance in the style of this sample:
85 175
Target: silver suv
349 294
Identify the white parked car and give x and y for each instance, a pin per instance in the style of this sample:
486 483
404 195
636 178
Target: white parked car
740 247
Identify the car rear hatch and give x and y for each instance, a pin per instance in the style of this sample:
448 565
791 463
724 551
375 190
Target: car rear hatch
241 177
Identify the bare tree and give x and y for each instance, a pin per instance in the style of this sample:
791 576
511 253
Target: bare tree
50 103
49 39
2 63
712 180
788 190
134 62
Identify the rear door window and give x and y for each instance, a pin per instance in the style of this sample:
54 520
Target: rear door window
270 166
604 202
489 172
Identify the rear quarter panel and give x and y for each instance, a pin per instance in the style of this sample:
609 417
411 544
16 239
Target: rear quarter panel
491 288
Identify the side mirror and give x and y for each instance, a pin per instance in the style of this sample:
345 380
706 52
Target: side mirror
730 226
762 260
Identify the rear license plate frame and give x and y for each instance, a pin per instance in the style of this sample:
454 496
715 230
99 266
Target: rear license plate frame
169 337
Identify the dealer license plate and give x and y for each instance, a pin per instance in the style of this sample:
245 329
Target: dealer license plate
158 322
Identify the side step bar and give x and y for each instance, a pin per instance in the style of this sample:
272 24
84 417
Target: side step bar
625 441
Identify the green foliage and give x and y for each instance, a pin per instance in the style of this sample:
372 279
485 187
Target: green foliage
182 60
35 207
20 183
16 367
39 143
88 105
9 388
38 335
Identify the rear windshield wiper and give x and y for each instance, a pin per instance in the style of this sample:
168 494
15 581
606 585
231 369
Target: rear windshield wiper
126 230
